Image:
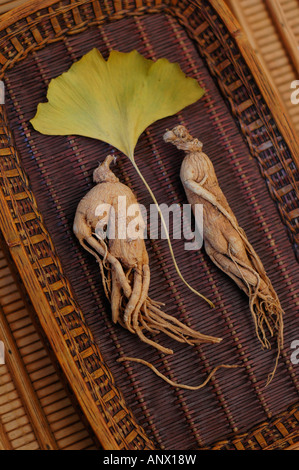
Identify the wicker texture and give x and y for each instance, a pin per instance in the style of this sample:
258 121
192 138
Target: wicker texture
36 412
164 417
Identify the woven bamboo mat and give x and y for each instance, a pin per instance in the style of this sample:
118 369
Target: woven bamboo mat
272 26
7 5
36 410
60 169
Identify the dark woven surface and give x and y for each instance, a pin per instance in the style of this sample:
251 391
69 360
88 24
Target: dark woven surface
59 170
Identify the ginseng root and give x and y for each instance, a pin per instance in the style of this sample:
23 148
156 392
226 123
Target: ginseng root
225 241
102 227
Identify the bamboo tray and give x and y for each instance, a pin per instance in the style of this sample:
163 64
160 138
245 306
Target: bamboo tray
255 153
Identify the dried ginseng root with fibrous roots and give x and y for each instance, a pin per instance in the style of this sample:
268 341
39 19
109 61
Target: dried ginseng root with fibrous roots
225 241
123 259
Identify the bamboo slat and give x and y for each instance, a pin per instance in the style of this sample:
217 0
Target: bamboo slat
272 27
255 152
285 32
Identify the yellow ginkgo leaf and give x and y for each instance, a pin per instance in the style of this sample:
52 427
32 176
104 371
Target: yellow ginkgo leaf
114 100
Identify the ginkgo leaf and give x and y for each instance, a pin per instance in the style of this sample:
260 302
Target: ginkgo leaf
114 100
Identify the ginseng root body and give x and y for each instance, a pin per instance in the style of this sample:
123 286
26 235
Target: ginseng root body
102 227
224 240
